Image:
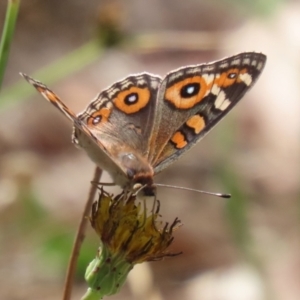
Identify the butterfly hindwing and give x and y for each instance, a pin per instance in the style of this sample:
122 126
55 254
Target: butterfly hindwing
90 142
122 115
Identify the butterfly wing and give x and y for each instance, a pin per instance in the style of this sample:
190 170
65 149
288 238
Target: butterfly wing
123 114
121 117
114 129
51 97
192 100
79 126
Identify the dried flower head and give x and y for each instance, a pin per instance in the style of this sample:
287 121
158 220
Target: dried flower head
128 236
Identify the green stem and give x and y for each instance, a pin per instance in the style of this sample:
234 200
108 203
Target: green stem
7 35
91 294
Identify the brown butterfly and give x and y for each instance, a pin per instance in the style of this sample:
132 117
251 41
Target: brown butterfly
143 123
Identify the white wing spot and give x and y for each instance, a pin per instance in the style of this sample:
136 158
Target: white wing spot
126 84
221 102
246 61
259 66
109 105
246 78
236 62
208 78
208 68
193 70
112 92
154 84
176 75
215 90
141 81
224 65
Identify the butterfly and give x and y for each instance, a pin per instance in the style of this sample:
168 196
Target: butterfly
142 124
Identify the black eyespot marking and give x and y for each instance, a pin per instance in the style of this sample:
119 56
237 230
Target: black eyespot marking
131 99
97 120
232 75
190 90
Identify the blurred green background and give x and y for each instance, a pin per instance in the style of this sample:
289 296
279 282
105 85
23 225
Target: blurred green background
245 248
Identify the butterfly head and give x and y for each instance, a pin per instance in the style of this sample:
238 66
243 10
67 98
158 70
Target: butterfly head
139 173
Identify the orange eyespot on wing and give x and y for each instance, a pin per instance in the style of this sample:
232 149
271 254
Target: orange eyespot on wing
187 93
132 100
100 116
232 76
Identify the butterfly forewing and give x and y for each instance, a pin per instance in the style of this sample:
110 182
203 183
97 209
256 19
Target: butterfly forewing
194 99
51 97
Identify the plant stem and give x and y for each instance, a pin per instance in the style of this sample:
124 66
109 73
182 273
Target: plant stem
80 237
7 34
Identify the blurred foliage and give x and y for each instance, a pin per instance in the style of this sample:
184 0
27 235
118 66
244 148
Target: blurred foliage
109 28
7 35
108 33
257 7
54 72
50 237
237 205
57 246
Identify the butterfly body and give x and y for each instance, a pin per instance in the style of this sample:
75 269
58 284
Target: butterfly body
143 123
137 169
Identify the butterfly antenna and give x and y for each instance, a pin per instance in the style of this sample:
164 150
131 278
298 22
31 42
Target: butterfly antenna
194 190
